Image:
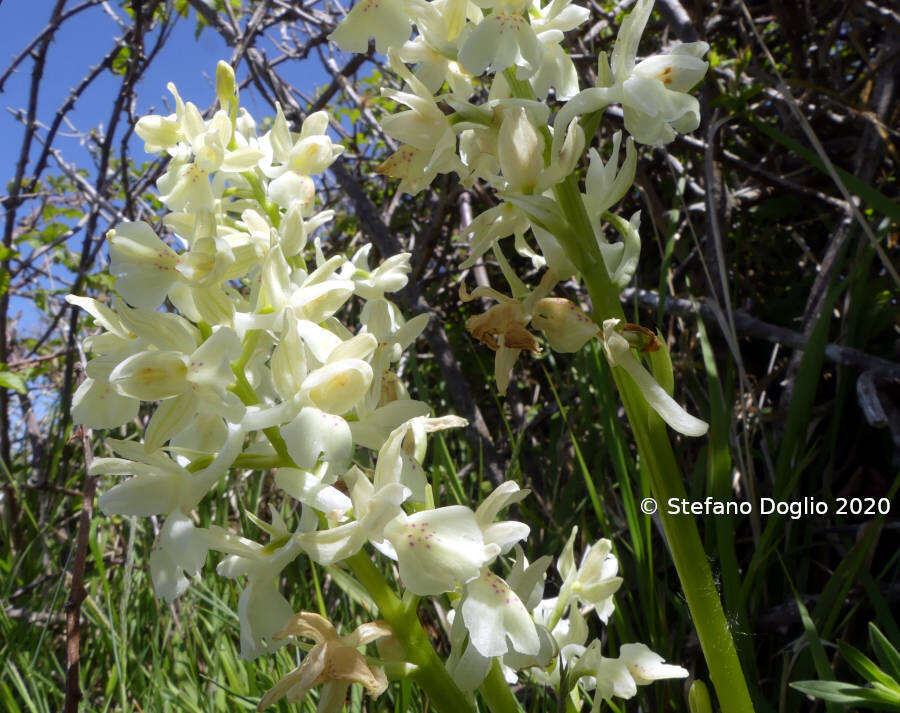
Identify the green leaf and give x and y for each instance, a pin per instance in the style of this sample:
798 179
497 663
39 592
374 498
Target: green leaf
872 197
119 63
864 666
887 655
353 589
11 380
839 692
542 210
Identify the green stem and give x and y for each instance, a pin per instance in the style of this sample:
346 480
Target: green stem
260 195
496 692
247 395
690 559
431 676
656 454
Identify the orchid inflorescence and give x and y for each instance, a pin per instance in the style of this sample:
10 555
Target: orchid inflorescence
254 369
508 53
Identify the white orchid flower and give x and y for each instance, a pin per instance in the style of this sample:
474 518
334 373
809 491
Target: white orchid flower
569 633
305 154
595 580
314 296
200 149
314 436
493 619
381 319
433 50
605 183
160 486
373 429
148 271
618 352
390 276
439 549
97 403
263 611
387 21
653 92
449 546
294 231
311 489
619 677
150 356
204 374
556 70
373 510
427 137
496 623
502 39
400 458
507 533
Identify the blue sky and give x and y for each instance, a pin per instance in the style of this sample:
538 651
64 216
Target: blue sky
82 42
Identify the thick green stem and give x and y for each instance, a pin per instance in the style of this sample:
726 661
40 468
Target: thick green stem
690 559
431 676
656 455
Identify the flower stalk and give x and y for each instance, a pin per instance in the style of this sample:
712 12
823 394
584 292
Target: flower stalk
656 454
431 676
691 563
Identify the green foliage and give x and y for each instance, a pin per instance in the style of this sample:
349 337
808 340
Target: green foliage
12 380
882 692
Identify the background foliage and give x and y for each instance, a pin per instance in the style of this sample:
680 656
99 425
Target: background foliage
780 313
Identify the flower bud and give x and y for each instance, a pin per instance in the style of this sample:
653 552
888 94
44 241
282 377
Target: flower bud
226 89
606 184
698 698
597 578
520 149
293 231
